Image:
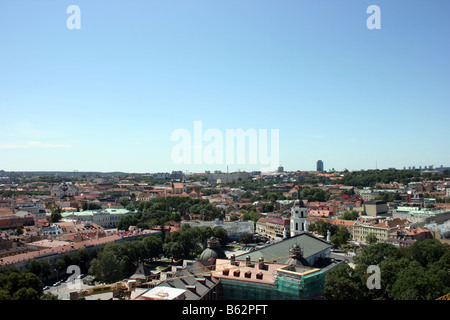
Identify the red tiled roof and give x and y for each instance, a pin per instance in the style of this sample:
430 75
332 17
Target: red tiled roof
68 248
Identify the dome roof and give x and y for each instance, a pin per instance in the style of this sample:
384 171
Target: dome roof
209 254
213 251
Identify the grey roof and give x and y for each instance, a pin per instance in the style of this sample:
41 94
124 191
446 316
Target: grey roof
212 253
189 277
21 213
141 272
279 251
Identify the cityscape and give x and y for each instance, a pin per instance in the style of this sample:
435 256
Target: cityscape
284 235
224 158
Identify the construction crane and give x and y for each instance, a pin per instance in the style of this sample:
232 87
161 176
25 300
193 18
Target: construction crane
444 297
121 290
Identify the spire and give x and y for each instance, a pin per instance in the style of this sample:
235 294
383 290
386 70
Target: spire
300 202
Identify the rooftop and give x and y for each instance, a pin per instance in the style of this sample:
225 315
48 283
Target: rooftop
279 252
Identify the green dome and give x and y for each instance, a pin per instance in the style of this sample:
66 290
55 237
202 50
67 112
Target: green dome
213 251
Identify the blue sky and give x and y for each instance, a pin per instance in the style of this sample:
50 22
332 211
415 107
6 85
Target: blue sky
107 97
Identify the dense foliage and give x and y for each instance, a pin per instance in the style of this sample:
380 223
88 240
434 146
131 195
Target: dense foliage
159 211
315 194
417 272
19 285
118 260
189 242
339 235
369 178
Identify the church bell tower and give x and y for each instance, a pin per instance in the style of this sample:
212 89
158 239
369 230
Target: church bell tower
299 216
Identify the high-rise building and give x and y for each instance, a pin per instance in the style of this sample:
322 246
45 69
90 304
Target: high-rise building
320 165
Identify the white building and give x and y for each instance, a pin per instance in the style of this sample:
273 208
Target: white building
106 218
64 190
299 218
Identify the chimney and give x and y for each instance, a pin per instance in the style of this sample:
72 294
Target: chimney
233 259
192 288
261 264
201 280
247 261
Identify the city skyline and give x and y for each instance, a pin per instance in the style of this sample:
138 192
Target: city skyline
108 97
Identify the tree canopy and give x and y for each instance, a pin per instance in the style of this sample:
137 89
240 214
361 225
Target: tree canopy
159 211
417 272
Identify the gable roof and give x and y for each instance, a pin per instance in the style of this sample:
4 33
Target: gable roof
190 277
279 251
141 272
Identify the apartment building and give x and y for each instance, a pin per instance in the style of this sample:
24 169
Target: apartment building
383 228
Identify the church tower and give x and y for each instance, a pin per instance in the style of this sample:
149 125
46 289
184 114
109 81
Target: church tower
299 216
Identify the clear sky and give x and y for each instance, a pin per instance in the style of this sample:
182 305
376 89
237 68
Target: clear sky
108 96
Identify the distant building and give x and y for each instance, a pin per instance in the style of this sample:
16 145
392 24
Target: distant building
106 218
319 165
220 177
64 190
234 229
161 176
376 208
176 175
178 187
273 228
382 228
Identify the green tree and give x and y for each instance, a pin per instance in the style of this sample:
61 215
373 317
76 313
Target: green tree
108 268
350 215
25 293
376 253
220 234
245 238
417 283
322 227
426 252
55 216
124 201
153 247
417 272
341 237
315 194
371 238
341 283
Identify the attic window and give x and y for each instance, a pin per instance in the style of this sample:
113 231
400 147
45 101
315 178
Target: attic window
259 275
236 273
248 274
